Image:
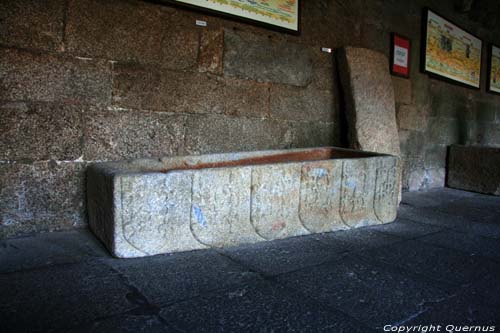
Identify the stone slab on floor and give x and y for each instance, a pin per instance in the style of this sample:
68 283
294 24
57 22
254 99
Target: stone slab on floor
411 272
474 168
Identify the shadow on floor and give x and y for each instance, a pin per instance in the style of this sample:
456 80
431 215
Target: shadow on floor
438 263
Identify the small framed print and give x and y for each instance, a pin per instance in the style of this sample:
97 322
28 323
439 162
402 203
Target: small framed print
400 55
494 69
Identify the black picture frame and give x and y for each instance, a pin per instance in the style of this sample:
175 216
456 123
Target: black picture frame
488 67
391 64
237 18
423 53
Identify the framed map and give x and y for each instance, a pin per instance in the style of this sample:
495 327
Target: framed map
494 69
277 14
450 52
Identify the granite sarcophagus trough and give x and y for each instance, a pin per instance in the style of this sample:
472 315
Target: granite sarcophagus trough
152 206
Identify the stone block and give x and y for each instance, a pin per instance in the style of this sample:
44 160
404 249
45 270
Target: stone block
370 104
486 111
213 133
445 130
40 131
116 134
295 103
43 196
256 58
313 134
488 134
410 117
435 156
211 51
32 24
424 179
147 88
49 78
474 168
402 90
146 207
141 33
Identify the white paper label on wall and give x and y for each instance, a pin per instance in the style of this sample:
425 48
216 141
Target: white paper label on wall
201 23
400 56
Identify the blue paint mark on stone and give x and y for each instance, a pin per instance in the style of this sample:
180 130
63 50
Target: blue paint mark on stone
319 172
351 184
199 216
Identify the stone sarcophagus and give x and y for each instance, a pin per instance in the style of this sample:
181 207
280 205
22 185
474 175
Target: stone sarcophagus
152 206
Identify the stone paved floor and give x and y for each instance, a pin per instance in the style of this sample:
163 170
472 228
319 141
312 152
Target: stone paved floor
439 263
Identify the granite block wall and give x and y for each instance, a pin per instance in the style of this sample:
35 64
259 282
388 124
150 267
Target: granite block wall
93 80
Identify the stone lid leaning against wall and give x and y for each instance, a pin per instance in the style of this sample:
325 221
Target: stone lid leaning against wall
370 103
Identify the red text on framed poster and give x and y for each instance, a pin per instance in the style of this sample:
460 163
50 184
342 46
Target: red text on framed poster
400 55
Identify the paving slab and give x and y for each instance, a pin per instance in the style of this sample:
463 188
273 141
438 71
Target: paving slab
447 220
406 228
125 323
465 242
457 310
435 197
439 264
60 297
357 239
486 289
277 257
48 249
257 307
364 291
165 279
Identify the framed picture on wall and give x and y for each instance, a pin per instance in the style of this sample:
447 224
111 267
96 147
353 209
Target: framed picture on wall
400 55
450 52
493 83
282 15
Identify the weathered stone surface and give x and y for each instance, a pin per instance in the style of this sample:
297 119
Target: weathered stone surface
370 103
153 218
275 201
212 134
32 24
147 88
250 57
295 103
145 207
117 134
387 189
357 198
43 196
220 210
141 33
425 179
48 78
474 168
445 131
40 131
211 51
319 209
402 90
410 117
314 134
487 134
435 156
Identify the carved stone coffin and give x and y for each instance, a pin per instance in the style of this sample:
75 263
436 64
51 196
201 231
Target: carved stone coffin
146 207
